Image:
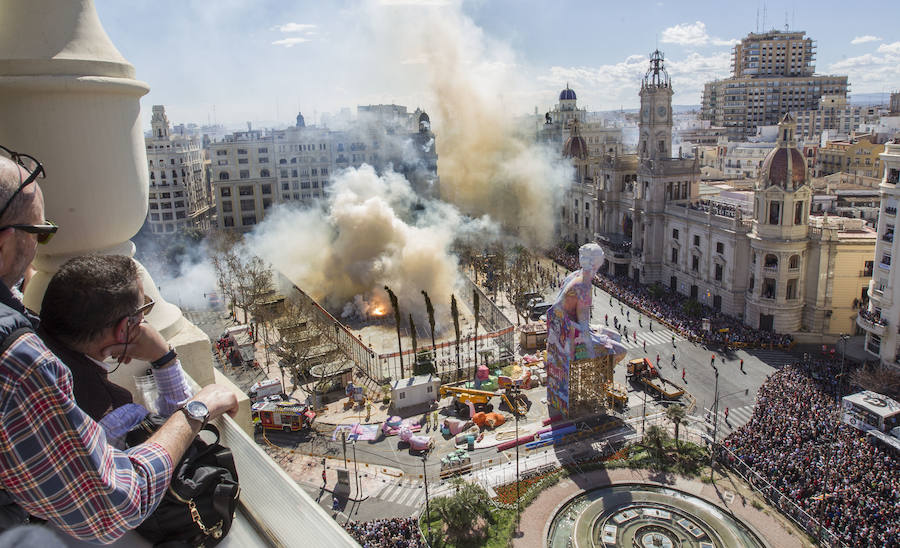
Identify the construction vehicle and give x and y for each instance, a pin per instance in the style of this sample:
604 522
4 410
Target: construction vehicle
480 399
641 370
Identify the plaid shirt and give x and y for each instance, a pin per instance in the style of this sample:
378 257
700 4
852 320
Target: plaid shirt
54 460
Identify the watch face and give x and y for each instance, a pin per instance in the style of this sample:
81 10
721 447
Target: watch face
661 111
197 410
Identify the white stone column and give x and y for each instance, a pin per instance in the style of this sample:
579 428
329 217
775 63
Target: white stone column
69 98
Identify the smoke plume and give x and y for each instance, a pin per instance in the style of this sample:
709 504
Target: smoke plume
370 232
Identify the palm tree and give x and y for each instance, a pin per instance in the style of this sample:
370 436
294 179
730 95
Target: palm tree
675 413
475 298
430 309
655 437
396 308
454 311
412 330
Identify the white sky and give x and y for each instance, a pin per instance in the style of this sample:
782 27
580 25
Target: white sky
243 60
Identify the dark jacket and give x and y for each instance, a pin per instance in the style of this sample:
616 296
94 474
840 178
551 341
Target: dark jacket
94 393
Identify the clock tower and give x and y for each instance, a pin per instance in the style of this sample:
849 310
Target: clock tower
655 125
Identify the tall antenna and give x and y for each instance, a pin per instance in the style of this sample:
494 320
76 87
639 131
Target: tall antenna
786 26
764 17
757 20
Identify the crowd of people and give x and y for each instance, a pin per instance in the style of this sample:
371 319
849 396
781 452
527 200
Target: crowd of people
669 308
797 442
399 532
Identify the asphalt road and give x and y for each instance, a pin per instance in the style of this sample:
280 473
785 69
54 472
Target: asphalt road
736 390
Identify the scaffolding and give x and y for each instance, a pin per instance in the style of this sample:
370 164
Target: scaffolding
591 385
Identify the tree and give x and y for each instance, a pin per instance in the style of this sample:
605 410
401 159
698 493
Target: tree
454 312
222 252
879 379
656 438
676 414
396 308
460 510
476 301
430 309
412 331
253 279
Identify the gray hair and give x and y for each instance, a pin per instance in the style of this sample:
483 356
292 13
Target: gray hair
10 179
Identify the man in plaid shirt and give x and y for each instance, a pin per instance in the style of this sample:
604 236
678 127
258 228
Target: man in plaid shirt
55 462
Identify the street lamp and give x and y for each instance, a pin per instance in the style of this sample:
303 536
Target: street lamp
514 391
837 395
712 447
427 507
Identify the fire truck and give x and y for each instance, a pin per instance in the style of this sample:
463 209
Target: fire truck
283 415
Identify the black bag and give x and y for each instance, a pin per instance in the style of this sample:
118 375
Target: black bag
199 506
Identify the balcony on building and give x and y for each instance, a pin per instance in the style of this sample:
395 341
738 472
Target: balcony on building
871 322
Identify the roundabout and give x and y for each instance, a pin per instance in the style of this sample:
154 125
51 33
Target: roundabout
645 516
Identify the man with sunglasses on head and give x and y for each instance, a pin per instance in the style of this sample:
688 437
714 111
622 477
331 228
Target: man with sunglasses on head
93 308
55 462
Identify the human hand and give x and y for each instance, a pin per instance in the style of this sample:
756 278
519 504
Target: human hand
145 343
218 400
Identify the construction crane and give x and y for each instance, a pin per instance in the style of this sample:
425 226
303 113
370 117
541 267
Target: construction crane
481 399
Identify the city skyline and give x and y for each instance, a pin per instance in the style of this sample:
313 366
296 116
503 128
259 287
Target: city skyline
250 62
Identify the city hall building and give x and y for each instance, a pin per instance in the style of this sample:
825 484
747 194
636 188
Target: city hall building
755 255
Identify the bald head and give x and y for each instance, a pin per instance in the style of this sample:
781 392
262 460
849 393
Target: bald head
11 176
17 248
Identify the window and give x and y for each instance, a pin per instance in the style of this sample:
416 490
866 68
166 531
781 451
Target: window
293 173
248 205
242 151
226 206
222 176
697 241
179 203
791 289
266 189
264 173
225 192
262 150
719 270
154 216
248 220
752 283
284 173
154 205
798 213
179 215
245 174
675 233
674 254
886 259
695 263
774 212
167 216
794 262
267 202
245 190
221 153
720 248
771 261
768 288
243 160
229 221
263 159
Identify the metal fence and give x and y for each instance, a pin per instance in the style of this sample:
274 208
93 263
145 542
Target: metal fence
777 499
491 317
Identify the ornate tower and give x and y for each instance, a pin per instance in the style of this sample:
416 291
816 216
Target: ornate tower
655 126
159 122
779 236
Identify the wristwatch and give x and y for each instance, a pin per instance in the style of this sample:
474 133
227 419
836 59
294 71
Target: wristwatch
196 410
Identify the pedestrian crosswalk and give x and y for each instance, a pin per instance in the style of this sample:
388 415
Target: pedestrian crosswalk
736 418
773 358
403 493
651 337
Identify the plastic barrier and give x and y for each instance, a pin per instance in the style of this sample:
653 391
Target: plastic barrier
558 433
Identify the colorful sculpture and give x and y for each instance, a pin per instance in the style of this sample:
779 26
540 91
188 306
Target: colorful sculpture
416 443
570 337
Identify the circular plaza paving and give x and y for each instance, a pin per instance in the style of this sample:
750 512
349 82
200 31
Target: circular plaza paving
645 516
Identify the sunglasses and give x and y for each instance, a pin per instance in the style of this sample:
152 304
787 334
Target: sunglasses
31 165
144 308
44 232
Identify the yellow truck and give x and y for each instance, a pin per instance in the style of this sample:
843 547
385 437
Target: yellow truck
480 399
641 370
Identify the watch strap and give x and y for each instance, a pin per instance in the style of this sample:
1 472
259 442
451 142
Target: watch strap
166 358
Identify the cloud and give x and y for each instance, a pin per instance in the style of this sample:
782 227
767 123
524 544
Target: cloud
618 83
864 39
692 34
416 2
290 42
295 27
871 72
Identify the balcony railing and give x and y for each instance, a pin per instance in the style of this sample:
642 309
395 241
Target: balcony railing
890 210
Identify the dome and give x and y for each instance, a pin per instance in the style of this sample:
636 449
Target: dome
567 94
575 147
775 166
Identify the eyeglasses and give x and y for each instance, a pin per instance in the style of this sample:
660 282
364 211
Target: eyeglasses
44 232
144 308
31 165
